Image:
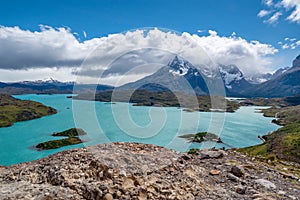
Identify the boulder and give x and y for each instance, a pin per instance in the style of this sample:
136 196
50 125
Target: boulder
206 154
237 171
265 183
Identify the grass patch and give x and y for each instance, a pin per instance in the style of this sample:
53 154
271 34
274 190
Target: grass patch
193 151
14 110
283 144
54 144
256 150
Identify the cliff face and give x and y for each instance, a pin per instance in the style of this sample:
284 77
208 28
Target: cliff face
140 171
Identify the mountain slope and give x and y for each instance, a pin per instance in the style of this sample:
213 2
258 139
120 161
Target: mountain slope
286 84
233 79
181 76
178 76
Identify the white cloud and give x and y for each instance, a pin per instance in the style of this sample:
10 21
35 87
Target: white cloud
274 18
84 34
213 33
24 50
268 2
290 7
263 13
293 5
285 46
289 43
200 31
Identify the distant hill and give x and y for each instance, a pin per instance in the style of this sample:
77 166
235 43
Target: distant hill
49 87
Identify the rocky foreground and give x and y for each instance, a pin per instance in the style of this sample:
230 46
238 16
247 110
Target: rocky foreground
140 171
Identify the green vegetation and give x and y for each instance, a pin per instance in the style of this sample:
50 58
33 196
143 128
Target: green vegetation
199 137
165 99
14 110
73 132
283 144
193 151
73 138
285 115
59 143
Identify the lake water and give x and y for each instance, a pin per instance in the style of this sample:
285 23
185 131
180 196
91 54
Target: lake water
105 122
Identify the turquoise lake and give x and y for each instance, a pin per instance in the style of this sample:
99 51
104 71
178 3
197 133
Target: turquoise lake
105 122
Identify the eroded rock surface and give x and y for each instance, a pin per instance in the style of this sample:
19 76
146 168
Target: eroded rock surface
141 171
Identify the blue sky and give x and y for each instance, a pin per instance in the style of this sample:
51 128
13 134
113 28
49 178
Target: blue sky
98 18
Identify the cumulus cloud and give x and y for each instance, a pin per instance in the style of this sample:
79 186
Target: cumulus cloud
290 7
116 54
21 49
212 33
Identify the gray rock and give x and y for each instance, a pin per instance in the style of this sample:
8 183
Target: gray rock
206 154
237 171
265 183
233 178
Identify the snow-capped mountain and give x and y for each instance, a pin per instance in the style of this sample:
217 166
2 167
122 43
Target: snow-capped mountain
180 67
233 78
49 81
180 75
230 74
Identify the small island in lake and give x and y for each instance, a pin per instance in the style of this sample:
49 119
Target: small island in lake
73 138
201 137
72 132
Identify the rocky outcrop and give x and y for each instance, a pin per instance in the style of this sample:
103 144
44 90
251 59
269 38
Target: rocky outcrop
141 171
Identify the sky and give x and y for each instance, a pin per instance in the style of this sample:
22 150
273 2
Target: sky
70 39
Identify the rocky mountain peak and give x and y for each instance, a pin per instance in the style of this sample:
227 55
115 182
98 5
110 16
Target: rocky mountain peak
296 62
180 66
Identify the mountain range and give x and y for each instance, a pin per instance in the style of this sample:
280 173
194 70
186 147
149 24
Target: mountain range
179 75
49 86
285 84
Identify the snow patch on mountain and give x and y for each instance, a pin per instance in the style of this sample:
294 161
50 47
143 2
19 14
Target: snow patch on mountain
49 81
230 74
180 67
